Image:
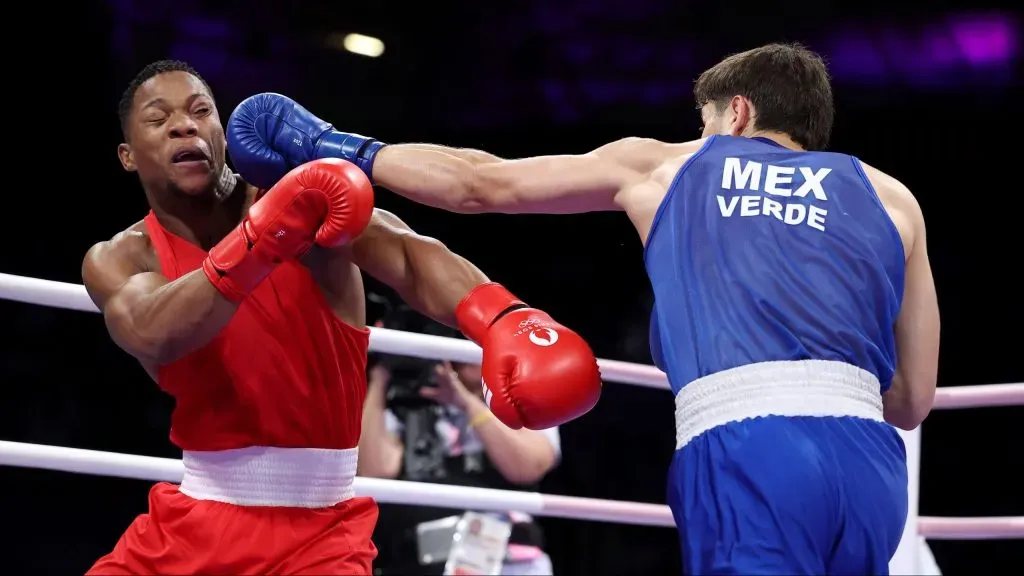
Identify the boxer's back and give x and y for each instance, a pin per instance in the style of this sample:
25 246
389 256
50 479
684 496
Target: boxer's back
760 253
285 372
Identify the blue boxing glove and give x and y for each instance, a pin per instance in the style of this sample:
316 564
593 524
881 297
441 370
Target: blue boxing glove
269 134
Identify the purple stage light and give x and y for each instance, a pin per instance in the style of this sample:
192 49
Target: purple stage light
985 40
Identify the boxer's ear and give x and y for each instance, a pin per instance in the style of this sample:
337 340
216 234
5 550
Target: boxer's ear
124 154
741 115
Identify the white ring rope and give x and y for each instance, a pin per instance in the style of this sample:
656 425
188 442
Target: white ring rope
444 496
389 491
74 297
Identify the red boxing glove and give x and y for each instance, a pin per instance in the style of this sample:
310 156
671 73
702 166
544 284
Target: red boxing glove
327 201
537 373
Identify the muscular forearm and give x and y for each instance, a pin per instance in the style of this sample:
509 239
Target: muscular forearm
379 452
440 279
176 318
437 176
522 456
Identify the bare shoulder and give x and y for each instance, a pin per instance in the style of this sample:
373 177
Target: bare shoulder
888 187
687 148
110 263
132 243
647 154
638 144
900 203
894 194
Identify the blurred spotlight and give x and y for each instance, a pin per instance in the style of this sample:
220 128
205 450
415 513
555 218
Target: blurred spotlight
985 39
357 44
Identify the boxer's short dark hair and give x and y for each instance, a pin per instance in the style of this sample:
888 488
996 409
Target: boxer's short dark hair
788 85
124 107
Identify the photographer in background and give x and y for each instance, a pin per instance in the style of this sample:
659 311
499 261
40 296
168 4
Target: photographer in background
426 421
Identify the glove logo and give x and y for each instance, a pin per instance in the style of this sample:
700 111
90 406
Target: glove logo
487 393
543 336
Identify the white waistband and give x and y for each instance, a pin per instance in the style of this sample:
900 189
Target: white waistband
263 476
792 388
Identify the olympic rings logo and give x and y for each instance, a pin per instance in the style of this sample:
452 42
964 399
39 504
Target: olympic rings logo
529 322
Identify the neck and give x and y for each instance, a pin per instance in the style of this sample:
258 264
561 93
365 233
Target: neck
202 220
779 138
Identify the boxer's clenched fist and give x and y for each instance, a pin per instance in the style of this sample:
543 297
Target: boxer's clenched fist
537 373
269 134
328 202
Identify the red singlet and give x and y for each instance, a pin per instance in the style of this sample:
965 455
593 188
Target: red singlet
284 378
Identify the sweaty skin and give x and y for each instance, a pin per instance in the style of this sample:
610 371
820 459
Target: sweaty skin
158 321
427 275
633 175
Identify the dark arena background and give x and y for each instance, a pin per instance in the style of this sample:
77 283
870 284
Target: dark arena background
927 92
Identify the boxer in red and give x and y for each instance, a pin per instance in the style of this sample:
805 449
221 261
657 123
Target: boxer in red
247 307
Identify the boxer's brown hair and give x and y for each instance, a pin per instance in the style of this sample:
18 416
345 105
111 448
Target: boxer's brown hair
788 85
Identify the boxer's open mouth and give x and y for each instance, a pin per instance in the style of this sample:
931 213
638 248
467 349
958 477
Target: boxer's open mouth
189 154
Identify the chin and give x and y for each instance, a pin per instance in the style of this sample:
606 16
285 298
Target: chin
194 187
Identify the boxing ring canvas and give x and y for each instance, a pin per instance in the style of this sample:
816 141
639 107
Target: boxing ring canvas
912 557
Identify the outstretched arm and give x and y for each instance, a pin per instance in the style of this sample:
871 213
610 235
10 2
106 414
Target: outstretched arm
453 179
426 274
537 378
470 181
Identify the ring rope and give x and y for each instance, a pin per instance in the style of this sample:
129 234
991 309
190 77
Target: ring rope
460 497
74 297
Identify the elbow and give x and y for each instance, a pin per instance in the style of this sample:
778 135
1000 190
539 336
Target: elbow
530 470
906 409
915 414
145 345
373 470
390 470
479 192
153 349
523 477
906 421
383 460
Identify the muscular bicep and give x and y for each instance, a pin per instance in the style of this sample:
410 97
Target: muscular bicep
381 252
430 278
116 282
547 185
567 184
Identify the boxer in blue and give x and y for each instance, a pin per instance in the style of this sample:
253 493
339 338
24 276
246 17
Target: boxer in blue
787 282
